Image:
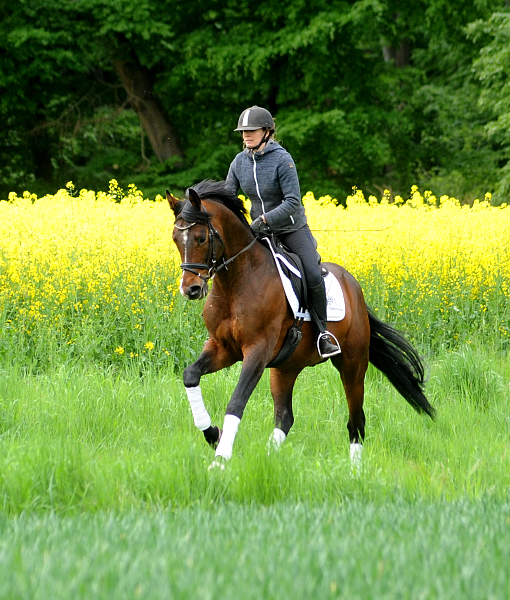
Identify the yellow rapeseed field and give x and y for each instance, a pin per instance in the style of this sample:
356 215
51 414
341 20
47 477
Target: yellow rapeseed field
109 257
69 251
463 249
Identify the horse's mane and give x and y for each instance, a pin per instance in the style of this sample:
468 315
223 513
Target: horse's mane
217 191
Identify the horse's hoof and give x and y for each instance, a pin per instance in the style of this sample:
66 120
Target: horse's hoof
213 436
217 465
276 439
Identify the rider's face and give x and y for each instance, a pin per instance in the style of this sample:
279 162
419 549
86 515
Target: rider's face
251 139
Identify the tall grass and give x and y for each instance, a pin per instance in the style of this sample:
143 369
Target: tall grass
85 439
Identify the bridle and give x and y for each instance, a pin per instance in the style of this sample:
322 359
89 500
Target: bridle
211 262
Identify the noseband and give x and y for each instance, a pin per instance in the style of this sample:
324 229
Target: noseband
211 265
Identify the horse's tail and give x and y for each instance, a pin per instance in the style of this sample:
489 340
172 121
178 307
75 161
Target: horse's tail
394 356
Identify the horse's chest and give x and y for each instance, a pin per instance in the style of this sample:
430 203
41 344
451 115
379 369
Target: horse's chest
225 323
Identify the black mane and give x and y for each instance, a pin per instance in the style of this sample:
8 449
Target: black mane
216 191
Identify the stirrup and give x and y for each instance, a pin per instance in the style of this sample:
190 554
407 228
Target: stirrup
332 337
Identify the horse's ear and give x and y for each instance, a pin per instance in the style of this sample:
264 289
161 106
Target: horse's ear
194 198
171 201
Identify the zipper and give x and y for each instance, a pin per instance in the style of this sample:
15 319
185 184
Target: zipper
257 183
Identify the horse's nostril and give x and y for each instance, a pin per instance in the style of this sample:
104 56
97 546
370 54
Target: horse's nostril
194 292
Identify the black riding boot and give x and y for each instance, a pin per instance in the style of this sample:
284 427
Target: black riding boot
317 299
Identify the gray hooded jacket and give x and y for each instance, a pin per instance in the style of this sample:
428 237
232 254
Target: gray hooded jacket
269 179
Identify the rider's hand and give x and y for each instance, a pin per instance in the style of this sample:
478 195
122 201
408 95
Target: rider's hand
259 227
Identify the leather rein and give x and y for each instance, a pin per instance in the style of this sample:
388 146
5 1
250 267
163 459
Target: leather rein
211 265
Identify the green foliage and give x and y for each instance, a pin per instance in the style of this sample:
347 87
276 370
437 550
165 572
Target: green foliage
492 68
91 331
86 329
375 93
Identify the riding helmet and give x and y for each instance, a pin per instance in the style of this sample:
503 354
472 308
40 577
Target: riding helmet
253 118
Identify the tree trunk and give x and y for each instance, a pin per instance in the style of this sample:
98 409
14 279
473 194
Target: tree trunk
41 146
152 115
400 56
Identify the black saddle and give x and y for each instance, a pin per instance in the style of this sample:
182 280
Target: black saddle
292 267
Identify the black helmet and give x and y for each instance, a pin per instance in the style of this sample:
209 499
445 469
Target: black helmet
253 118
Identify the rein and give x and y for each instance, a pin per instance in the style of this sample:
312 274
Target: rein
211 261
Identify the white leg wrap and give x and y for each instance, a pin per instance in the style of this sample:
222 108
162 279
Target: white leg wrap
230 425
200 414
356 458
276 439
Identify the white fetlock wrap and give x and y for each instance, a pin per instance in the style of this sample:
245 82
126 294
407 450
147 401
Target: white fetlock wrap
276 439
230 426
356 458
200 414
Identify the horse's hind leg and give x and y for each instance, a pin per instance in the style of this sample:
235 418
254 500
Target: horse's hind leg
282 384
352 369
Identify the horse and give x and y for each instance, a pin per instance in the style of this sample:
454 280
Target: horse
247 316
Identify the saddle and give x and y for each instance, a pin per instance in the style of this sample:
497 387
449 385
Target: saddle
292 268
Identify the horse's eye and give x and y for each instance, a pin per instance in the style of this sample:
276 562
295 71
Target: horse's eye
201 239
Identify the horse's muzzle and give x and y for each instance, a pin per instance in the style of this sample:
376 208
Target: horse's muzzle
195 291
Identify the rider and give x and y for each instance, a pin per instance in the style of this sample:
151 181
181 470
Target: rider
267 174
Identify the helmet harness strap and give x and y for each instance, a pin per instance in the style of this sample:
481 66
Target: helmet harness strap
264 139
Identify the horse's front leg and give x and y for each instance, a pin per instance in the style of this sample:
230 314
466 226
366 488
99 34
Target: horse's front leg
251 372
212 359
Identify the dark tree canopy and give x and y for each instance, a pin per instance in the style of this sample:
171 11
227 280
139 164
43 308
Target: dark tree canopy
373 93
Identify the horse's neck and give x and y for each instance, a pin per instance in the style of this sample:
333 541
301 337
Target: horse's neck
235 239
249 273
253 262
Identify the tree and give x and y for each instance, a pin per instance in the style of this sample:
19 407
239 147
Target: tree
374 93
153 117
58 67
492 68
364 91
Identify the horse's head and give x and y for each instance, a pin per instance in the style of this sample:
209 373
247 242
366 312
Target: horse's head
197 243
209 234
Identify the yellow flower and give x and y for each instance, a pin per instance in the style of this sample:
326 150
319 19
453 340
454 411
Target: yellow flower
71 257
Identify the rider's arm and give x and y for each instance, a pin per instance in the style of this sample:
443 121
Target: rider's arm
290 209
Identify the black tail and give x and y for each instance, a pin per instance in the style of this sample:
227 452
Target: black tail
394 356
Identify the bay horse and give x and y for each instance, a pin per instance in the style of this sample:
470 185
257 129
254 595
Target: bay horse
247 316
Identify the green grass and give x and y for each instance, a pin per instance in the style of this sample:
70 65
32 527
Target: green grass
87 440
356 550
105 491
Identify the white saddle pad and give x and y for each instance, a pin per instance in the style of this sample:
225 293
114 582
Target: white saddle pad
334 293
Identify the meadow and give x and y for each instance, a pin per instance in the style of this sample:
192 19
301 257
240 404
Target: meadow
104 486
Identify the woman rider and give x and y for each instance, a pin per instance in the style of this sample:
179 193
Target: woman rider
266 173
